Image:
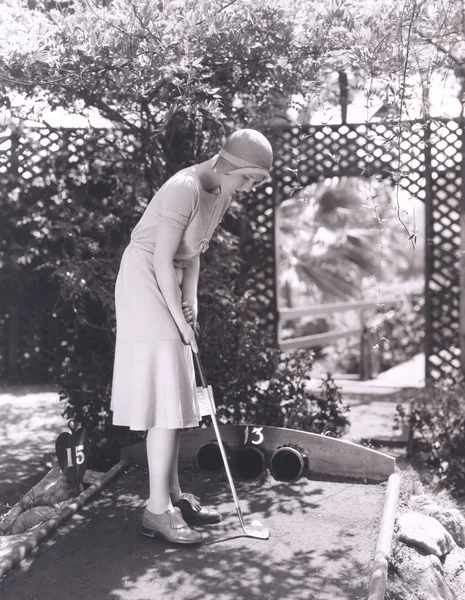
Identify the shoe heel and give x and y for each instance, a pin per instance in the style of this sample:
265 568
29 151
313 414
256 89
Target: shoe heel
148 532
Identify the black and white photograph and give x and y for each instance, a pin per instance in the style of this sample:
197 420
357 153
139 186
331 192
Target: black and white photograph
232 299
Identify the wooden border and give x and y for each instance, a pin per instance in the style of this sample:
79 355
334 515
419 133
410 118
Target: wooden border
327 456
379 570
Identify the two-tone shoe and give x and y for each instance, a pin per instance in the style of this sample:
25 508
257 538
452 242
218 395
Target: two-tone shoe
169 525
196 514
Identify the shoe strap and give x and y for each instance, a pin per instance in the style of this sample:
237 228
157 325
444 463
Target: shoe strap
194 501
176 520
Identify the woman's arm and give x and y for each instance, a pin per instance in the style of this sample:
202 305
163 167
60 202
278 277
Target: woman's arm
168 239
190 284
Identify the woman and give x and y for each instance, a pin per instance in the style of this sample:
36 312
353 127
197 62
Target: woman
154 386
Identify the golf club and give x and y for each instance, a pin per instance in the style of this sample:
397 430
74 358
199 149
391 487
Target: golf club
254 530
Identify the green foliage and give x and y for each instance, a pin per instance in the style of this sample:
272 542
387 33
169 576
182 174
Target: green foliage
402 332
173 70
177 76
437 420
255 383
327 241
144 63
65 219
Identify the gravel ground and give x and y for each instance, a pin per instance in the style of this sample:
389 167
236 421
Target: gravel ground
30 421
323 534
323 537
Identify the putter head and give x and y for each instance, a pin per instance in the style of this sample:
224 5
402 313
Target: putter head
256 530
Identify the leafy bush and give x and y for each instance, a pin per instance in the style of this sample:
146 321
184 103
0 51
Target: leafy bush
437 421
287 402
402 332
255 383
252 380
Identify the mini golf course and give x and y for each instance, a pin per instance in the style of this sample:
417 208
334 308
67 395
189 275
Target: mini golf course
330 527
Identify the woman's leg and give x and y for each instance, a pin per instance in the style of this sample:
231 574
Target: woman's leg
175 488
162 447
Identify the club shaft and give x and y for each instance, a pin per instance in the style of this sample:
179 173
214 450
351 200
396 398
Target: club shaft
220 441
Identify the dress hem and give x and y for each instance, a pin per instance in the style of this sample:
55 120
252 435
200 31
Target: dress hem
189 425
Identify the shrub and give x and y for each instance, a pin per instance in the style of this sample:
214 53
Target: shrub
253 381
437 420
402 332
285 401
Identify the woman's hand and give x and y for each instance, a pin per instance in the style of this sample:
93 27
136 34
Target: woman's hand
190 316
188 336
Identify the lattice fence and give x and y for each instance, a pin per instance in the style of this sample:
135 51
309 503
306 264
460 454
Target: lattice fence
443 257
38 168
423 157
258 249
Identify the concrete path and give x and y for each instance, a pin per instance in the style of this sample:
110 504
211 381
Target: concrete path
30 421
323 533
323 537
373 403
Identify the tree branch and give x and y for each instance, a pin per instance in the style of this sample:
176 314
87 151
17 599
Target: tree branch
437 45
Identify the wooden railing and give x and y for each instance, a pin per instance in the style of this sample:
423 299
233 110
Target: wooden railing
365 331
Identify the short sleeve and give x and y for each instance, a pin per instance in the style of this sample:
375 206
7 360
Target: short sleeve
179 196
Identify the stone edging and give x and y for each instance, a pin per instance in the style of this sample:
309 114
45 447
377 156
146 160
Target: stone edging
22 549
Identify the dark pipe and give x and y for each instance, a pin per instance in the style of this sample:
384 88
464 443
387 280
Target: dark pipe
287 464
209 456
249 462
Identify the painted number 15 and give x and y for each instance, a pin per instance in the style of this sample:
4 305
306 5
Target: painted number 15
79 455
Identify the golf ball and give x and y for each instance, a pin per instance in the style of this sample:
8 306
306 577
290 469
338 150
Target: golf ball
256 523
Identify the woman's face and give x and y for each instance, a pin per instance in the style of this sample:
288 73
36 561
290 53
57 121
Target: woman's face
238 183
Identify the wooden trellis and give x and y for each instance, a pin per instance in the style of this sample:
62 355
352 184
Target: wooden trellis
44 164
424 157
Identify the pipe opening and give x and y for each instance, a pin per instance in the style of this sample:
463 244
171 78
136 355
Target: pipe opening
209 457
287 464
249 462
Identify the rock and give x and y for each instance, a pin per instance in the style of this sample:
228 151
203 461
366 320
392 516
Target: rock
426 533
421 576
91 477
454 565
32 517
51 490
451 519
8 543
9 518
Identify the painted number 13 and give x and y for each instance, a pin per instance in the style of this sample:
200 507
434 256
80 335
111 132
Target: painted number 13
79 455
255 431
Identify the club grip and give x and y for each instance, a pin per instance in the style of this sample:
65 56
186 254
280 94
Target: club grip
198 362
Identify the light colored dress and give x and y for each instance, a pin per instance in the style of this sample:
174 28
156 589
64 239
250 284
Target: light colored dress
153 378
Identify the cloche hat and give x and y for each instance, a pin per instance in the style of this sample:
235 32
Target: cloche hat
246 151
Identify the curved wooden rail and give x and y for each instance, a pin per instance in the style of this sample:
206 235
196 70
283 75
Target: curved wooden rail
327 456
